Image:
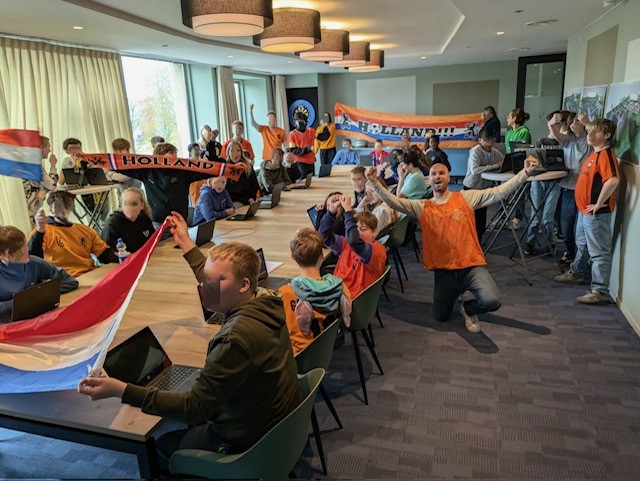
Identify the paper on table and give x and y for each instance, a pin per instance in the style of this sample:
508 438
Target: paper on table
272 266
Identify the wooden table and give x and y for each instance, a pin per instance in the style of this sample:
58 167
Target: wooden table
165 299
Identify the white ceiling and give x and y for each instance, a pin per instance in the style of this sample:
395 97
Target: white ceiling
445 31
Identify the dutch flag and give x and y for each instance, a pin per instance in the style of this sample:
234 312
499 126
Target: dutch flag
56 350
20 154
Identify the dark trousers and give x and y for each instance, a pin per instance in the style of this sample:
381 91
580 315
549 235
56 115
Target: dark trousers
305 169
327 155
481 221
449 284
569 214
199 437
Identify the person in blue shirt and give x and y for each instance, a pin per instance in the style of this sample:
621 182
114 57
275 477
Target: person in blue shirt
346 156
19 270
214 202
411 181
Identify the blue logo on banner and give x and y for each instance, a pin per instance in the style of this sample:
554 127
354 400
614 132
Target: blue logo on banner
305 107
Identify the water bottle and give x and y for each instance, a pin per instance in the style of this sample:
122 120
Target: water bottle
121 247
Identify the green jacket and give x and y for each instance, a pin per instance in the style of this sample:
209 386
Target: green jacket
268 178
521 134
249 381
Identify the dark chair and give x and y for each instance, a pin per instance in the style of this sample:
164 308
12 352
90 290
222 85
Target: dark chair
273 457
318 354
364 308
396 238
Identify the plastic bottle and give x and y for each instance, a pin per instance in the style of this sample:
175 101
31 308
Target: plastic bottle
121 247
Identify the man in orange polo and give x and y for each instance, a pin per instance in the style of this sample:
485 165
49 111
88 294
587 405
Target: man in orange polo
273 137
450 244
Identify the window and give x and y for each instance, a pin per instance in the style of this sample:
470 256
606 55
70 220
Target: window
157 98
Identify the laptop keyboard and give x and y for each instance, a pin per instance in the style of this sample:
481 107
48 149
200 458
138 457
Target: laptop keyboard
273 282
170 379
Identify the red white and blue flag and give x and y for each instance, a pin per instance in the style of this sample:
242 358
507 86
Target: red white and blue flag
20 154
56 350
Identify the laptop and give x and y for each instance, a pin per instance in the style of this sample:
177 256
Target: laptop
253 208
273 199
73 178
142 361
507 164
325 170
314 215
97 177
545 162
201 234
35 300
306 185
263 278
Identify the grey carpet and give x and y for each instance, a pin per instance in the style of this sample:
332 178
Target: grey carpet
549 390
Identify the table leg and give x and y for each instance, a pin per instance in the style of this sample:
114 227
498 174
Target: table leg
148 460
95 216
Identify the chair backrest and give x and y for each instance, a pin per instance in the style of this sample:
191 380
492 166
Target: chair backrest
272 457
365 305
320 351
397 235
190 214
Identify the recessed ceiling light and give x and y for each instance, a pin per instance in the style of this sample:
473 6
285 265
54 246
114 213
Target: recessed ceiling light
289 61
469 46
540 23
229 56
519 49
519 11
165 45
423 58
499 33
78 27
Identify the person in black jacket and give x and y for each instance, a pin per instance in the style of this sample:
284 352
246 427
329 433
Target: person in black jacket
132 224
244 190
491 122
168 189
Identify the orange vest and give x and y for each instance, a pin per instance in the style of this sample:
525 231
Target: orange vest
298 339
449 239
355 274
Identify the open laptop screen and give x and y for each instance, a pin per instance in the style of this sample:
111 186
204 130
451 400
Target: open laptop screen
138 359
263 265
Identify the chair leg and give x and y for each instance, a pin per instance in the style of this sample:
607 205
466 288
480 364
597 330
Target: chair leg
379 319
371 350
373 341
384 291
359 363
395 261
327 401
316 434
416 245
402 265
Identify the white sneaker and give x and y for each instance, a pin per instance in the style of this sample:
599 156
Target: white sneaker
471 322
515 223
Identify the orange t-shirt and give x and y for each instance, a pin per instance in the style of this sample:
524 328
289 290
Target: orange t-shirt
300 340
355 274
246 145
271 139
595 171
449 239
303 139
70 247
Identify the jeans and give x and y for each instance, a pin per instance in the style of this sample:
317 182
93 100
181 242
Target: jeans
547 212
199 437
305 169
449 284
568 215
593 241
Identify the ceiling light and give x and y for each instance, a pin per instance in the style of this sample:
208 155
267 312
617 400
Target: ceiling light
610 3
293 30
540 23
519 11
375 63
423 58
229 56
334 44
499 33
78 27
165 45
519 49
358 55
227 18
289 61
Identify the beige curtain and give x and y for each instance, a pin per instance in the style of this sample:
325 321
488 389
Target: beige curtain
280 102
227 104
62 92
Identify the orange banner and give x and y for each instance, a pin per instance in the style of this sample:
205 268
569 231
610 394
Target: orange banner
455 131
123 162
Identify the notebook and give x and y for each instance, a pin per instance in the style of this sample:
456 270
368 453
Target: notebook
142 361
273 199
263 278
35 300
253 208
306 185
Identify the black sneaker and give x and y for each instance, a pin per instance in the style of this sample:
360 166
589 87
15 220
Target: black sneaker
565 260
529 250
